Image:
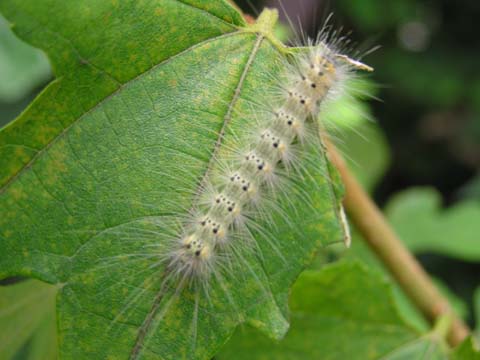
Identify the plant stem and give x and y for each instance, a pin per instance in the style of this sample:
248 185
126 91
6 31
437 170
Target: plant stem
403 266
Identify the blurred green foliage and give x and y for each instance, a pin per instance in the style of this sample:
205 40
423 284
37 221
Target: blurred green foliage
22 69
356 318
466 351
27 319
417 217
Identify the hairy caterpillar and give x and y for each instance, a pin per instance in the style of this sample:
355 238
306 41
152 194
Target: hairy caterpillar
273 144
241 188
239 185
166 296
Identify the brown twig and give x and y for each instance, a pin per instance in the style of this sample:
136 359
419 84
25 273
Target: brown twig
403 266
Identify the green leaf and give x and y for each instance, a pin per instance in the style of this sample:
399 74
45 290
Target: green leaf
421 223
467 350
343 311
360 140
96 49
350 110
359 251
27 313
22 67
43 345
99 169
366 151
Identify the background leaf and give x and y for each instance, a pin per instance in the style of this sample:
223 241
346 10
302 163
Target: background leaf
366 152
22 67
417 216
466 351
343 311
357 136
361 252
27 314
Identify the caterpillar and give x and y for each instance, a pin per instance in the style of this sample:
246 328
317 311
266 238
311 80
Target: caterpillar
273 144
308 79
195 257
